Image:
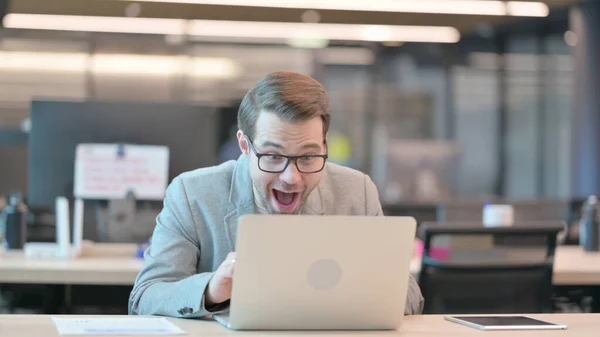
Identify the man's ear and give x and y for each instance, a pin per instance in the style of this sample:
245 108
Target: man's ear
243 142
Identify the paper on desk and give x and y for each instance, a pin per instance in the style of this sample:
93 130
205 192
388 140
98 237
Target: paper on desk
116 326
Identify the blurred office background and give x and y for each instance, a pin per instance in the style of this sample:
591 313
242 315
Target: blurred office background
492 105
438 101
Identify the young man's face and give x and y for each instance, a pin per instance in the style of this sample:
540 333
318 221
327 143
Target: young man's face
284 192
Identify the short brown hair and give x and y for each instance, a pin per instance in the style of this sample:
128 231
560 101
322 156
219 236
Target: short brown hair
291 96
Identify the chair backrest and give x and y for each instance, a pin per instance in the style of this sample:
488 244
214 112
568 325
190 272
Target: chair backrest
499 278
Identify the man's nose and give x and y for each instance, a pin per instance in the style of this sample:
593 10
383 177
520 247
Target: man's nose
290 175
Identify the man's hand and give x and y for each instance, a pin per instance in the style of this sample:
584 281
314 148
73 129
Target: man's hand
219 287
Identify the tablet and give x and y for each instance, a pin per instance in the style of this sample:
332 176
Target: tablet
504 323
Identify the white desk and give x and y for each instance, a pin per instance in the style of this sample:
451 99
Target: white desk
580 325
101 264
573 266
115 264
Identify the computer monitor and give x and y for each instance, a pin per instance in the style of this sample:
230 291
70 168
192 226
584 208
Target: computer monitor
415 171
189 131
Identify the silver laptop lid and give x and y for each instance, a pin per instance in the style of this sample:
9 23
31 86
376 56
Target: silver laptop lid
321 272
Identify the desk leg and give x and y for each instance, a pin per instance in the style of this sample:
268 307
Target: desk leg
595 294
67 305
53 298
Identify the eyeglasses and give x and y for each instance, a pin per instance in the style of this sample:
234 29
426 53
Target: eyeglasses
277 163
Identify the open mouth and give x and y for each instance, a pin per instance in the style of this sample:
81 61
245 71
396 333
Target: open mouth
286 200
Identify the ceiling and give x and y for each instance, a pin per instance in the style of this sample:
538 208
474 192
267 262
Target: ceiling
465 23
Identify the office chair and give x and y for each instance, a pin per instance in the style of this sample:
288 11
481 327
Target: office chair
489 280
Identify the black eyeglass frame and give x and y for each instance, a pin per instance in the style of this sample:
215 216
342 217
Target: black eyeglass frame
289 159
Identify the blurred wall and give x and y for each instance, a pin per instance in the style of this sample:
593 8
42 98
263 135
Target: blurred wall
400 97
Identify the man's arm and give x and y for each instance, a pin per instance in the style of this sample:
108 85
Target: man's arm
168 284
414 298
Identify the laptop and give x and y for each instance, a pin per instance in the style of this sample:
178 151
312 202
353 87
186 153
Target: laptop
307 272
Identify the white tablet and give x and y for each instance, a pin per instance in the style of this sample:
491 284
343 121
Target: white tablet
504 323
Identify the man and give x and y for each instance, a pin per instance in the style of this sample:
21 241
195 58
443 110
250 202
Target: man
283 123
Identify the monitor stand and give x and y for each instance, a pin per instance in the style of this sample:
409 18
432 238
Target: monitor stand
121 218
124 222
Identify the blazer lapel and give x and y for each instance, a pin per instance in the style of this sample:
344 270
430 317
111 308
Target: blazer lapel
241 198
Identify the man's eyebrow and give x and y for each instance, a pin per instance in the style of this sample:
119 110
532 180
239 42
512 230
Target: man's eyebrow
271 144
311 146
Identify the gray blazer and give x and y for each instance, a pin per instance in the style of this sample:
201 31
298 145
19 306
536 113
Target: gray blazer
196 229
